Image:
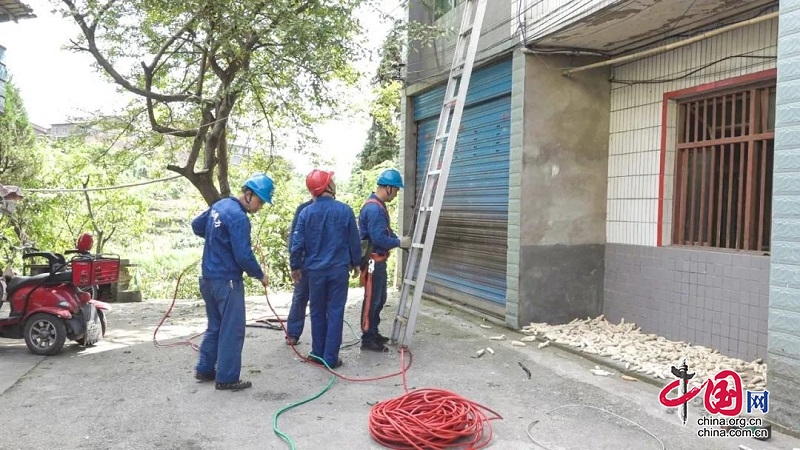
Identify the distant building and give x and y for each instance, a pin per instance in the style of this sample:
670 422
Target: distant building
62 130
39 130
13 10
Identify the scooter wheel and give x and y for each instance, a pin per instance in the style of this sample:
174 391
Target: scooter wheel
45 334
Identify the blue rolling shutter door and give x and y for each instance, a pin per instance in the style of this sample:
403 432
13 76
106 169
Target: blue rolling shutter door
468 263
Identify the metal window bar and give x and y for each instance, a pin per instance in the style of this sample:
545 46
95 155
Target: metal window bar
723 173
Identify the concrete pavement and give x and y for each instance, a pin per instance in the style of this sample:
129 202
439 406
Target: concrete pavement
129 394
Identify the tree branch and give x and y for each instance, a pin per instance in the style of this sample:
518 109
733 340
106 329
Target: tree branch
157 127
202 73
266 117
89 33
222 159
169 42
89 205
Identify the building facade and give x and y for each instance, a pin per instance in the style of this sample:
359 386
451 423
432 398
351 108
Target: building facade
10 11
623 158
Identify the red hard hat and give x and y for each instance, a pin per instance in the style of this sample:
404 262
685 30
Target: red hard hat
85 242
317 181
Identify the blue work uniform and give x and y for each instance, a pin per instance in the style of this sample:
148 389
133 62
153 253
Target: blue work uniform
297 312
227 253
374 226
325 245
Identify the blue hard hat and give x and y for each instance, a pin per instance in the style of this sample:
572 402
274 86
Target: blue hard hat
390 177
262 186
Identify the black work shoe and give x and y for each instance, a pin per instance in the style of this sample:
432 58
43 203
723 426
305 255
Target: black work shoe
339 363
292 340
374 346
313 359
381 339
204 376
235 386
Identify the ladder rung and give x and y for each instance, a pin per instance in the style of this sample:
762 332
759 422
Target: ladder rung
411 282
450 101
417 245
442 137
467 31
435 172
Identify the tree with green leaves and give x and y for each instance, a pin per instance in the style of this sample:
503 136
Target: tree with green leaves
18 156
200 64
20 161
383 137
57 219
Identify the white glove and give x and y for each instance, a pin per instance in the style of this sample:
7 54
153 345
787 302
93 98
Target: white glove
405 242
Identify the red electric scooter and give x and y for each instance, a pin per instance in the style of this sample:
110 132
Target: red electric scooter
49 308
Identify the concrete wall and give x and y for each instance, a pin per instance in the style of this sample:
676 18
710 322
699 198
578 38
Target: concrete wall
716 299
429 60
784 296
562 167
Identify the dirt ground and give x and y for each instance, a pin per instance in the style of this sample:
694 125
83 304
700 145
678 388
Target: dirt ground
127 393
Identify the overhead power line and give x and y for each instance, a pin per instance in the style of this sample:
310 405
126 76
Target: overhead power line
104 188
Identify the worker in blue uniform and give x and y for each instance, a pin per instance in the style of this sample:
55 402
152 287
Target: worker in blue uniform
325 247
376 232
227 252
297 311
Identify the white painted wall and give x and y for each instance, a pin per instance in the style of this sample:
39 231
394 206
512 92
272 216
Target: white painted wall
635 130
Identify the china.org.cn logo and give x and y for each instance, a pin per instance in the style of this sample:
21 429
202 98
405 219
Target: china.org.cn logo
723 396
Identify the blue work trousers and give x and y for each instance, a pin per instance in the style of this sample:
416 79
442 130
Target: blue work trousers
297 312
374 300
223 341
328 291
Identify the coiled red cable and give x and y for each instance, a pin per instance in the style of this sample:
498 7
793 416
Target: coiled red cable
430 419
423 419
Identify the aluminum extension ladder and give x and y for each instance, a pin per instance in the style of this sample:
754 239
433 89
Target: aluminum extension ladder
441 157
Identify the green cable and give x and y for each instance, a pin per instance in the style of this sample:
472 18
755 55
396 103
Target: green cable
283 435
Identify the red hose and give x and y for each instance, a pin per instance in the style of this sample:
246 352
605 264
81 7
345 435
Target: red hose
196 347
403 367
423 419
187 341
430 419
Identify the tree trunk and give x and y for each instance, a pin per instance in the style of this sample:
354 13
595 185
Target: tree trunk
204 182
100 242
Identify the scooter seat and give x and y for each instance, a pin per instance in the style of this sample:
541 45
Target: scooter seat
44 278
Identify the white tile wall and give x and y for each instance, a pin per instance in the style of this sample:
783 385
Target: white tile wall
635 130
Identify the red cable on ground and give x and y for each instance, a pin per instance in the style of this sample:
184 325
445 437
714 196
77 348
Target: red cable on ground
422 419
188 341
196 347
430 419
309 361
